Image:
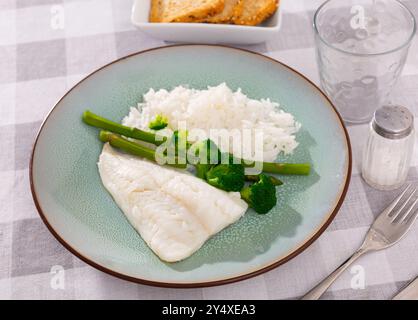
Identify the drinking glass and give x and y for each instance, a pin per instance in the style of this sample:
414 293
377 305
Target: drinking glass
361 48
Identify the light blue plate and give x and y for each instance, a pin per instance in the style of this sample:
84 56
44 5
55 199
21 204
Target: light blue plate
77 209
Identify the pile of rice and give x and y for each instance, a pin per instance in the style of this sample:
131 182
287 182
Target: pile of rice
219 108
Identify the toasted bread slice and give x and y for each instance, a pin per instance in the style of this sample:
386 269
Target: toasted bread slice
256 12
233 8
184 10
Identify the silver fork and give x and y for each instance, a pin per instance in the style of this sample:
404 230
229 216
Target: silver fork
388 228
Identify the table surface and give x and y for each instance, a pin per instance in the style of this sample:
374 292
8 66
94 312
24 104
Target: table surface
47 46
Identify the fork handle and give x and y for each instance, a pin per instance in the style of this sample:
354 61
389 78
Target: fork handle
319 290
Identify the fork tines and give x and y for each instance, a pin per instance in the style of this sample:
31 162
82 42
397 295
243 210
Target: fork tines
404 212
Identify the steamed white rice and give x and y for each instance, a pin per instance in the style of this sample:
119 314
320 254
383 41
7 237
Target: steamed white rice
219 108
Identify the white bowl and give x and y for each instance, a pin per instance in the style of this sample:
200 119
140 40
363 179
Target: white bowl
204 32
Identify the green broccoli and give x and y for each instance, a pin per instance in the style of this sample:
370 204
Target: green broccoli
203 152
261 196
228 177
202 170
206 152
160 122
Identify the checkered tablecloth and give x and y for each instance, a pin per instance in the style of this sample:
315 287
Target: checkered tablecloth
46 46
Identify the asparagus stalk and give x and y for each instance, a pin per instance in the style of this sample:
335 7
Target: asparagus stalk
131 147
256 178
96 121
287 168
270 167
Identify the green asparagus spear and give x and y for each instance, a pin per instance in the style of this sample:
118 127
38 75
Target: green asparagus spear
131 147
287 168
270 167
256 178
96 121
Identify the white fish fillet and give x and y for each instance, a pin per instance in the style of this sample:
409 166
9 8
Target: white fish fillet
173 211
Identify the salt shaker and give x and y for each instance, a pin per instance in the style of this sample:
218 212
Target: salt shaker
388 151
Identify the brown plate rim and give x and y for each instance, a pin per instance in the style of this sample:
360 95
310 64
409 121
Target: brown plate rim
199 284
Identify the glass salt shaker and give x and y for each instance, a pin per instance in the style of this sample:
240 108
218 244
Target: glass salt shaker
388 151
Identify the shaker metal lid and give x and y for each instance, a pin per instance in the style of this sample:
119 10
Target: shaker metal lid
393 122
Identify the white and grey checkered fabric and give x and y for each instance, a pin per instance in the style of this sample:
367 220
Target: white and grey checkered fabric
42 57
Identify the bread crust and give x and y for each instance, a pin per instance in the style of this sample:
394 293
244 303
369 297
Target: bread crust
155 14
256 12
233 8
184 11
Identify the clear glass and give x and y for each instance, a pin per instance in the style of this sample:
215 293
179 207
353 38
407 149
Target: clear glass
362 46
386 162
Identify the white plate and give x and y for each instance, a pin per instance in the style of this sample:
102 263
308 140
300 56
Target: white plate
204 32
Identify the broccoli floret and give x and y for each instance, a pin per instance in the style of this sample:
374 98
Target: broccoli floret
160 122
228 177
202 170
207 152
261 196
